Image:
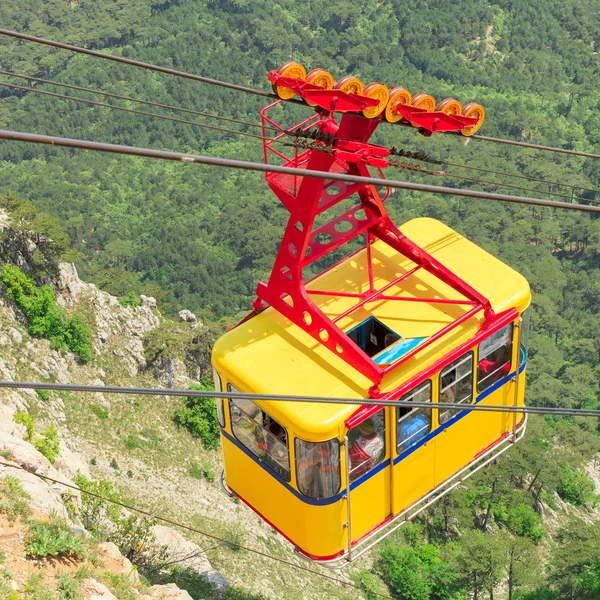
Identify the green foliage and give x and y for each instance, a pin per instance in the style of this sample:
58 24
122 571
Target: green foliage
132 299
522 520
235 538
576 488
201 470
133 535
35 589
101 413
69 588
199 416
43 395
46 318
416 573
98 515
48 444
52 538
14 501
22 417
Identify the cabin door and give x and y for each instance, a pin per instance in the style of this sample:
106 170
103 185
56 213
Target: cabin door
368 474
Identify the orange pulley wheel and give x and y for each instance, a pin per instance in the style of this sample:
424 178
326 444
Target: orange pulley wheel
474 111
398 96
350 85
321 78
450 106
289 69
423 101
378 91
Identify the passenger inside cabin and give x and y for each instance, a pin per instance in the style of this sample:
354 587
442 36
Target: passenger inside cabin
367 450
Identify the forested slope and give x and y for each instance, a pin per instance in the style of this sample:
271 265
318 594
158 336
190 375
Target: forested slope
200 238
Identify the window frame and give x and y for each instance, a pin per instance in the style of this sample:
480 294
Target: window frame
383 411
268 462
218 383
497 372
453 365
297 454
413 411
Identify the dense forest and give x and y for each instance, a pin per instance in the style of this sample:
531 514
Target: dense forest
200 238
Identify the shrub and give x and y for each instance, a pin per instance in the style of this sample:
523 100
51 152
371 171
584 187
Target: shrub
13 499
201 470
199 416
48 444
43 395
52 538
23 418
135 540
98 515
46 318
235 538
576 488
132 299
523 520
132 442
101 413
69 588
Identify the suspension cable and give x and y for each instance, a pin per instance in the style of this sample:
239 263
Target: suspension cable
454 406
249 90
139 101
185 527
130 110
423 157
264 168
418 169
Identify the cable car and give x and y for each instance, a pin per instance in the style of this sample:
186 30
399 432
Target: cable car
418 314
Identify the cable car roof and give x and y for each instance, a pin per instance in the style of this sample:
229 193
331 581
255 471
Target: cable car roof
269 354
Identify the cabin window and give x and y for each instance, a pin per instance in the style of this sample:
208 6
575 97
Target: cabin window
495 354
219 388
366 445
372 336
456 385
526 320
318 468
261 434
413 424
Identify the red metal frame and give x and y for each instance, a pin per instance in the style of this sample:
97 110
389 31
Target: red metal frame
434 121
306 198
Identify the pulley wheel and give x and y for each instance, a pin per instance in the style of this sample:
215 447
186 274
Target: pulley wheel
423 101
379 92
320 78
289 69
450 106
474 111
398 96
350 85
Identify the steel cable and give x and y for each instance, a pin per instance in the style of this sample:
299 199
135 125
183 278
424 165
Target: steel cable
455 406
139 101
264 168
131 110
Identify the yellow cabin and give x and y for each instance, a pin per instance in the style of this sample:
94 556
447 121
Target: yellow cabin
335 478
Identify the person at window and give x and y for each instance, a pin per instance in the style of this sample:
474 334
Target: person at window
498 365
319 474
367 450
448 389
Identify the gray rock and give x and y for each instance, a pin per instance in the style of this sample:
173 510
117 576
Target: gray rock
94 590
187 316
17 338
68 280
148 301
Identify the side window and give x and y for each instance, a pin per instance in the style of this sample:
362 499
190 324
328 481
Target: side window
219 388
261 434
367 445
318 468
413 424
456 385
495 354
526 316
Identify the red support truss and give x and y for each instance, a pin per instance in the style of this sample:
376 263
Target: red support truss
305 198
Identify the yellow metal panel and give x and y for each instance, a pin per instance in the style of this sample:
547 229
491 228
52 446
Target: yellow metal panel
370 503
414 476
316 530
